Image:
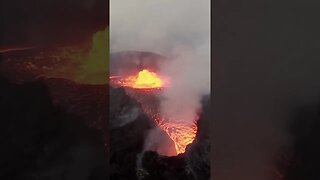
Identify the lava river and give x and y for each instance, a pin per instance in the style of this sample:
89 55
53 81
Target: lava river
146 82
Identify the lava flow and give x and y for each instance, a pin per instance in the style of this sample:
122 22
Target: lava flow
143 80
181 132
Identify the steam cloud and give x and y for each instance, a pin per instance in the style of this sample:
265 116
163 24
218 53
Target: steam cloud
177 29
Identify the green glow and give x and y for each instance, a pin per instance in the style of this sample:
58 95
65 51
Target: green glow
94 69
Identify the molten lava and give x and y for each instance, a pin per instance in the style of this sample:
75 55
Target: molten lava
145 79
181 132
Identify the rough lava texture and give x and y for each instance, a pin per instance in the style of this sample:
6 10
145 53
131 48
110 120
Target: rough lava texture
51 128
198 154
129 126
42 140
193 165
127 62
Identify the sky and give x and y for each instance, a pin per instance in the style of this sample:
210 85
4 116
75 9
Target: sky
158 26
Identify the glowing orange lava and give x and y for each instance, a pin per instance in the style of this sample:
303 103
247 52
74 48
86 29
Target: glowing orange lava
181 132
144 79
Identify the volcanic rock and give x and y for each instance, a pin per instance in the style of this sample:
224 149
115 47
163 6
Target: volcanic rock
40 140
194 164
128 62
128 126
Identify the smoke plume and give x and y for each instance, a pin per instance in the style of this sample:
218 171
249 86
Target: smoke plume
190 81
177 29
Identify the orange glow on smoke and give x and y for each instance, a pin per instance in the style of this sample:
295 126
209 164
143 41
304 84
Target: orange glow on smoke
144 79
182 133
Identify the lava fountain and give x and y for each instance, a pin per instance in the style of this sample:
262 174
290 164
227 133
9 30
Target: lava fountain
143 80
181 132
